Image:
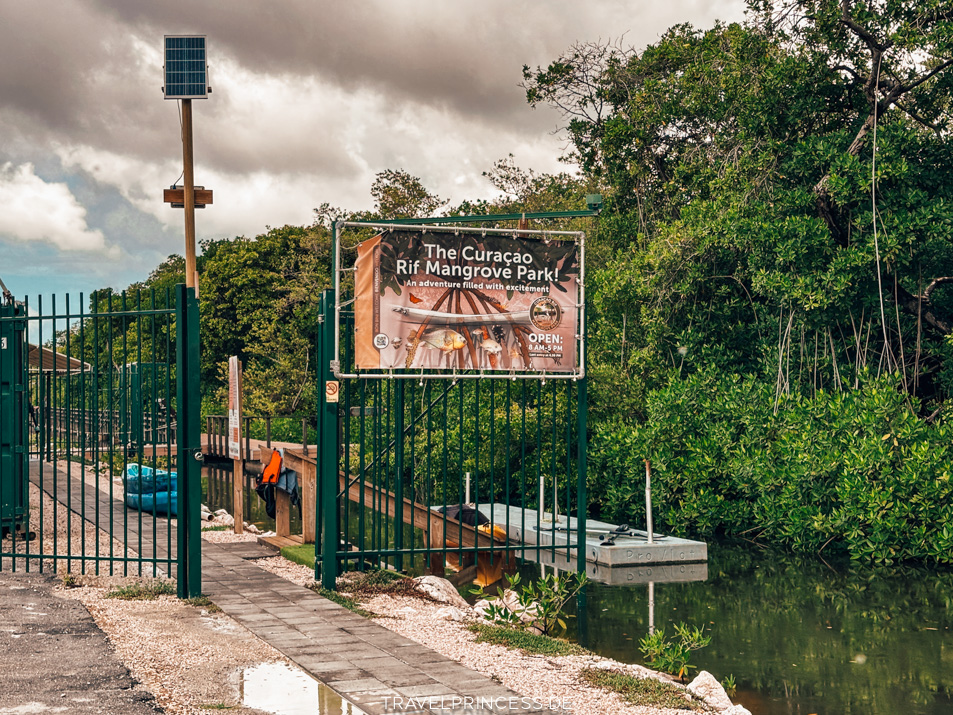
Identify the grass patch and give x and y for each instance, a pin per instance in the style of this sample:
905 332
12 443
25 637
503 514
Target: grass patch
525 641
301 554
148 591
203 602
642 691
218 527
218 706
342 600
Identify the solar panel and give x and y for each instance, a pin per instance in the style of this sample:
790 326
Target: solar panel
185 67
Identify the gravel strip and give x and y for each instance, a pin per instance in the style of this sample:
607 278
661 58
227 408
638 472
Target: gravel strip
189 659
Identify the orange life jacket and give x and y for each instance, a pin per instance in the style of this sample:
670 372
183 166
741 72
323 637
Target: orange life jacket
271 472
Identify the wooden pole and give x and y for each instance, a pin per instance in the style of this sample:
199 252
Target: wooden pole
189 193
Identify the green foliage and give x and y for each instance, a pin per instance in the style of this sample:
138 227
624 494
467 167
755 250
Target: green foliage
642 691
729 684
538 604
672 655
144 591
853 471
532 643
399 195
259 300
739 175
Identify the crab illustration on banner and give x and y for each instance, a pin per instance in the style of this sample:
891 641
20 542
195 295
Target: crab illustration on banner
444 299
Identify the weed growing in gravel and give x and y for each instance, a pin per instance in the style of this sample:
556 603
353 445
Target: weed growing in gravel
218 527
203 602
525 641
69 581
380 581
143 591
642 691
217 706
342 600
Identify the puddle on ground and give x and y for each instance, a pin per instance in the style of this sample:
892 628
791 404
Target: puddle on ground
286 690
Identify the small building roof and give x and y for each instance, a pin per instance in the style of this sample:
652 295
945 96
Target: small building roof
46 360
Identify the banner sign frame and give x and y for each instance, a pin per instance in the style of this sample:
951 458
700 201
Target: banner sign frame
452 302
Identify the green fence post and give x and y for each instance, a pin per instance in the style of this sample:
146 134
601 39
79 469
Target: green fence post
399 474
189 444
582 421
14 465
328 450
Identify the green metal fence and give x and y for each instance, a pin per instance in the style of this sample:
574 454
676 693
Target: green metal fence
395 455
105 428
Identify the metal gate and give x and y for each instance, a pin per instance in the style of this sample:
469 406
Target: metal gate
399 457
99 435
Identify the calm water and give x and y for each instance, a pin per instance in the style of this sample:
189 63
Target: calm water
799 636
217 494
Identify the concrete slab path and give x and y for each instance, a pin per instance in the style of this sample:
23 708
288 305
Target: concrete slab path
367 664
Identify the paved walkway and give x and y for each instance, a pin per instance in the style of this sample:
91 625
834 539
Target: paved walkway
367 664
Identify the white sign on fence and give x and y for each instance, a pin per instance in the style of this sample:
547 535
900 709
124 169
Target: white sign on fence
234 408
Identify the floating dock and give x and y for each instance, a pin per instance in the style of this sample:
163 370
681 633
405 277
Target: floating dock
606 545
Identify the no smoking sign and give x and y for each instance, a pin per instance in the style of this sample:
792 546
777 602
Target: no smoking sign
332 391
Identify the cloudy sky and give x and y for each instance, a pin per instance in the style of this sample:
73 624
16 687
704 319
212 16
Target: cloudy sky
310 100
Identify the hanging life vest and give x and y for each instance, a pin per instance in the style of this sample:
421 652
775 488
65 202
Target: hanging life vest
272 471
266 483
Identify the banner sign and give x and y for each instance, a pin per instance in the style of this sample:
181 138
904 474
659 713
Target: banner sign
437 299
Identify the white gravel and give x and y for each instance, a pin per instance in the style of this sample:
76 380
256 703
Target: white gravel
543 678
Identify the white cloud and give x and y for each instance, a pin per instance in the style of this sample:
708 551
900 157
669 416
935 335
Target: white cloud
34 210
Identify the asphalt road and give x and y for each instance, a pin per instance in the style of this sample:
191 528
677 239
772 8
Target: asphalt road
54 659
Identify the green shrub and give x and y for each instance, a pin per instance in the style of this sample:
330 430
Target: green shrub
539 604
855 471
672 655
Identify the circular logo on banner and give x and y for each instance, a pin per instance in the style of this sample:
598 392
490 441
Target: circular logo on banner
545 313
381 341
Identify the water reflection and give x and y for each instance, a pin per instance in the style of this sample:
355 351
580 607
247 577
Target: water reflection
799 636
286 690
217 494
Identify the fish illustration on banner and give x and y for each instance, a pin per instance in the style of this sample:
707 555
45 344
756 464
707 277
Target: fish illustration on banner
445 299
